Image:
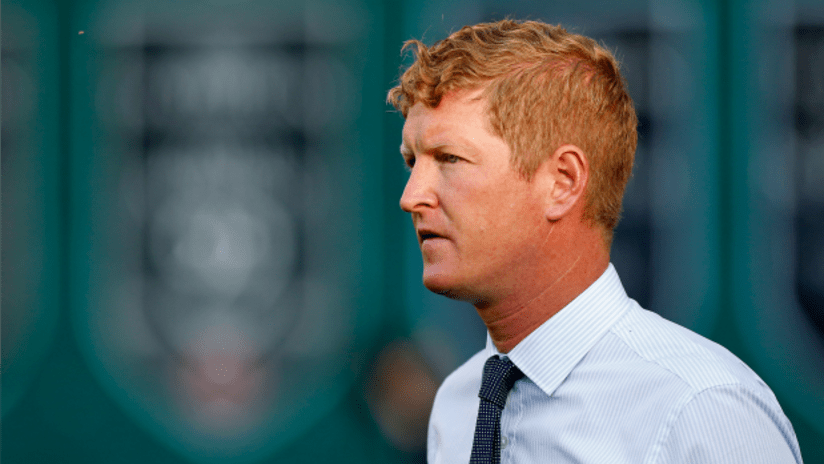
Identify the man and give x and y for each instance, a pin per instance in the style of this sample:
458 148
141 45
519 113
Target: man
520 138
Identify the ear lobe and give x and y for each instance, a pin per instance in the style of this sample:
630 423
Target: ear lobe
567 172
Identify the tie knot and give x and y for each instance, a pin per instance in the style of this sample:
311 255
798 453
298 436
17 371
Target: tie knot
499 377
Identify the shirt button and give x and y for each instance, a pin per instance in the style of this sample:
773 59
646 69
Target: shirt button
504 442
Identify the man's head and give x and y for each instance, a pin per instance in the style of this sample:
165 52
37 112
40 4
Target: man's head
543 88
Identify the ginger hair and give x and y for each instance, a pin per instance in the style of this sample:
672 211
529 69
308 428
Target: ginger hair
544 87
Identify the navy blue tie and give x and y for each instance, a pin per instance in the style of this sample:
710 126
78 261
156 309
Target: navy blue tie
499 377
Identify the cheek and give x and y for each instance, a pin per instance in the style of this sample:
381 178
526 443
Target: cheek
493 227
485 215
510 222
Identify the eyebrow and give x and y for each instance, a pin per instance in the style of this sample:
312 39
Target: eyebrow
439 145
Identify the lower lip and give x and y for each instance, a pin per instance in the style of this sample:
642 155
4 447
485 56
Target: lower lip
434 241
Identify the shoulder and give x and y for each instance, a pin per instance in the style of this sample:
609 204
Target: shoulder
730 421
676 351
717 405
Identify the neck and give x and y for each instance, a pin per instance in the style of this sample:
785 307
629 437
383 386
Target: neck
540 295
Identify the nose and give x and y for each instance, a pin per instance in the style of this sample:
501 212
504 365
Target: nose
419 191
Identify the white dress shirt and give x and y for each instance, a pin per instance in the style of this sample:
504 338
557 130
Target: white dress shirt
607 381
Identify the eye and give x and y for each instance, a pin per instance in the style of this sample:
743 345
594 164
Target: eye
447 158
409 161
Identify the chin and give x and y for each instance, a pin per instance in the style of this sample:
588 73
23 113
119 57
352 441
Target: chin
449 286
436 282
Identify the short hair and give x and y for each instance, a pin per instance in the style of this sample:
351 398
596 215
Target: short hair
544 87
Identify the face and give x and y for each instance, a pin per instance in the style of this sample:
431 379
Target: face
479 222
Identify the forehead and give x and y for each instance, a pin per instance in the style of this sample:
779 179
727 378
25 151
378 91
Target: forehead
459 115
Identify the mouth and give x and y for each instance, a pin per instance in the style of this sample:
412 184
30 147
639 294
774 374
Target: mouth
425 234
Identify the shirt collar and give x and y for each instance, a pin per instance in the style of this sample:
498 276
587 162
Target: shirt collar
550 352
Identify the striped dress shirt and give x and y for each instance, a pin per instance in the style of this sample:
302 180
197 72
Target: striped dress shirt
609 382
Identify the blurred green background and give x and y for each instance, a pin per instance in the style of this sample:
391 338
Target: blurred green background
203 258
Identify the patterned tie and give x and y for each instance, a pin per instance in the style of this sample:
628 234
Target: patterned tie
499 377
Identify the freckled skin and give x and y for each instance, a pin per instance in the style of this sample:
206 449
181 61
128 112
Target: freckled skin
516 249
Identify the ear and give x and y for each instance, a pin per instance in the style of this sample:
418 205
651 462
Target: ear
565 176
